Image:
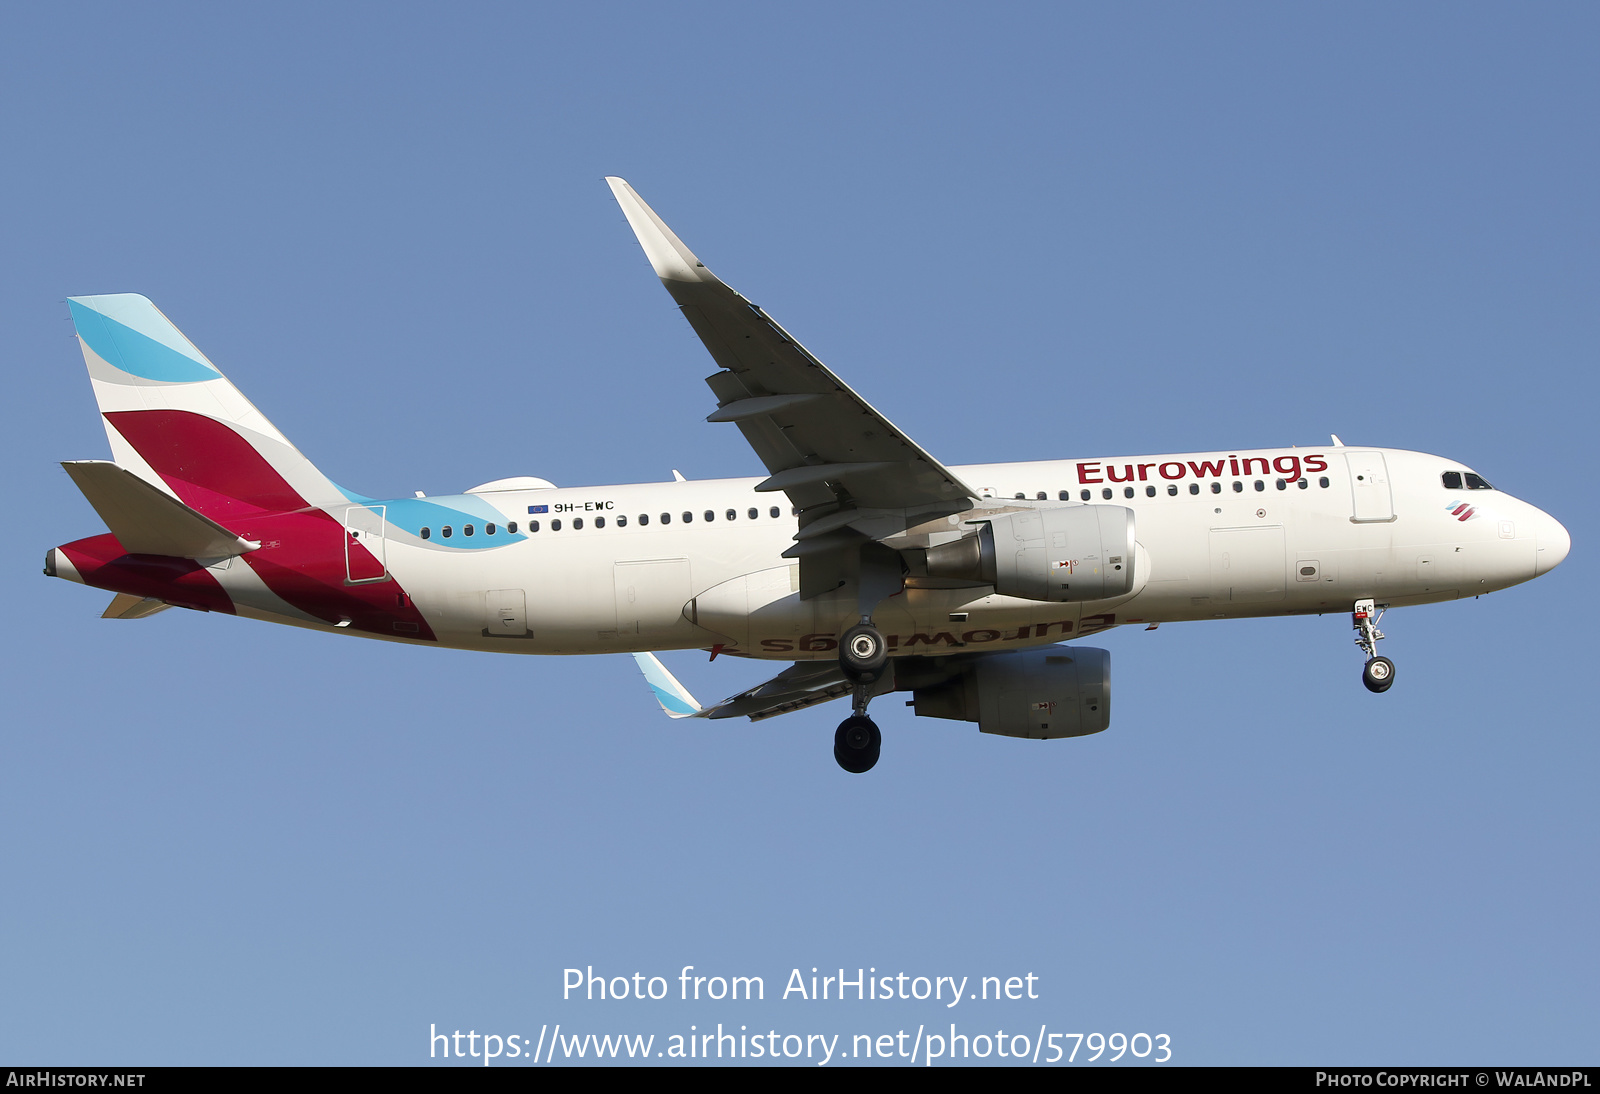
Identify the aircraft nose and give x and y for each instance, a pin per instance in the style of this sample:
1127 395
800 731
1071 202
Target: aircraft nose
1552 543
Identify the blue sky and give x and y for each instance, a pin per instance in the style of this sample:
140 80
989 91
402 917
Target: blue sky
1034 233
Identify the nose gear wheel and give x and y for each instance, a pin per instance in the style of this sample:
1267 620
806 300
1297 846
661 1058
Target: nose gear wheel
1378 674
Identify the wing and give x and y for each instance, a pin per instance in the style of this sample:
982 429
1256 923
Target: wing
851 474
802 684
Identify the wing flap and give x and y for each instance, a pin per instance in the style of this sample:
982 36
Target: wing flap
803 684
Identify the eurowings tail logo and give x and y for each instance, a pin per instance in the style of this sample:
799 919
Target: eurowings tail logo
1461 510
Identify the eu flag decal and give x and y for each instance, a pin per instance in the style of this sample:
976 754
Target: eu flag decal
538 509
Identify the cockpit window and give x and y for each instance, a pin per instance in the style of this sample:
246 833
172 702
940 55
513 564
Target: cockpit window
1475 482
1452 480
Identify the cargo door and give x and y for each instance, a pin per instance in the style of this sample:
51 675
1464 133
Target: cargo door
650 594
505 613
1247 564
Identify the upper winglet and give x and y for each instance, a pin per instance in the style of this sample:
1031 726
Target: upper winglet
671 259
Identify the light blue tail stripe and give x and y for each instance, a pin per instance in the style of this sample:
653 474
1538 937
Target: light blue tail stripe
133 351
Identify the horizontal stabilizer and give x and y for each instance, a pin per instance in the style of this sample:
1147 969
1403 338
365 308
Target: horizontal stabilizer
128 606
673 696
148 521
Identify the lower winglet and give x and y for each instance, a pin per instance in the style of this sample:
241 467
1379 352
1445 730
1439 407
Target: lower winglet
674 698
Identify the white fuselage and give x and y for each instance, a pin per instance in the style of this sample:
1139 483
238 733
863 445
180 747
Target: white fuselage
1277 532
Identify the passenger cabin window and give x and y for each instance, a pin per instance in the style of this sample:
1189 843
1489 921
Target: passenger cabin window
711 515
1474 482
1172 489
1452 480
1041 496
1323 482
555 526
467 531
445 531
1216 488
1238 487
1150 491
753 513
688 518
533 526
1085 495
622 521
489 529
644 519
774 512
732 514
511 527
1194 488
1106 493
1305 484
426 534
1065 495
577 524
666 518
1260 486
599 522
1127 491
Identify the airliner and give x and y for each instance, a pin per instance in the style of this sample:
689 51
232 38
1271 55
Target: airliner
860 560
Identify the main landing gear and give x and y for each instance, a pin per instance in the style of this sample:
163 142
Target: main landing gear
863 656
856 743
1378 674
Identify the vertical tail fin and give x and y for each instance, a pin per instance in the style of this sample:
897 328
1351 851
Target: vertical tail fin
175 421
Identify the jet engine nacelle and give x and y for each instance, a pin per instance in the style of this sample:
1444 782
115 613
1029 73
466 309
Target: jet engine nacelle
1076 553
1053 691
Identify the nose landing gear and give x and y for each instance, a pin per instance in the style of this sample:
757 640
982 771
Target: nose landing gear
1378 673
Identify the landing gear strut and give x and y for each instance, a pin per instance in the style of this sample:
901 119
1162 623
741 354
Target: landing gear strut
1378 673
863 654
864 658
